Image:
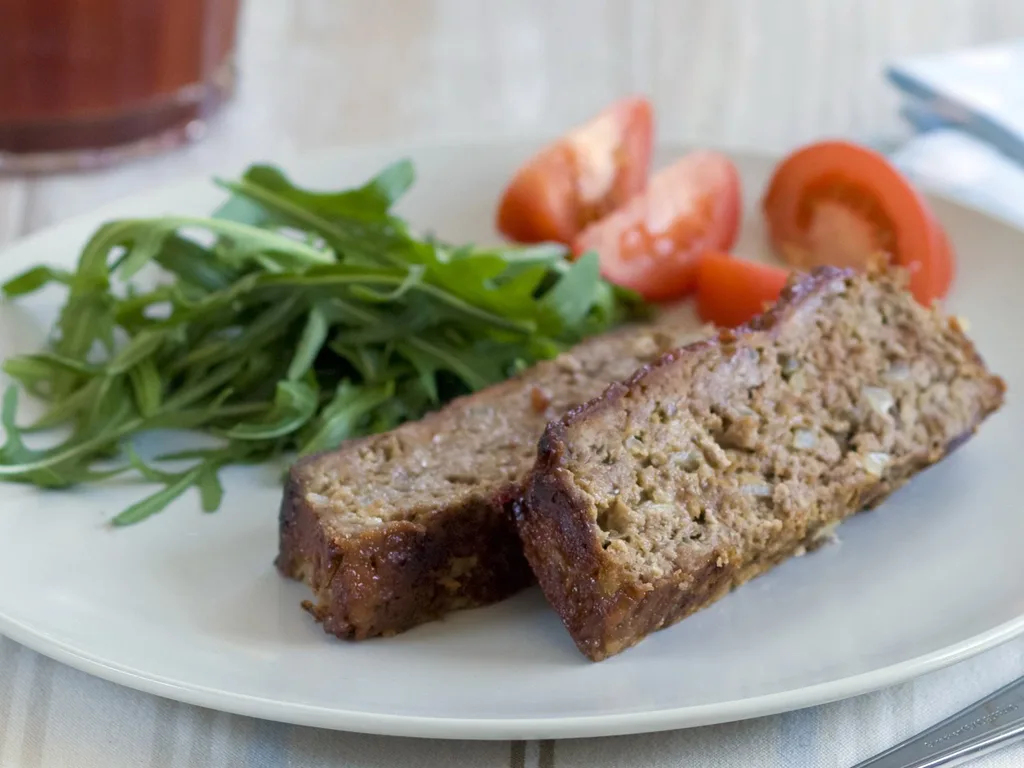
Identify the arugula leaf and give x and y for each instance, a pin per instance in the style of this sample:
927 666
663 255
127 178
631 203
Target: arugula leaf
192 264
310 342
35 278
147 387
338 420
286 322
294 404
142 347
211 492
576 292
13 450
354 222
158 501
373 199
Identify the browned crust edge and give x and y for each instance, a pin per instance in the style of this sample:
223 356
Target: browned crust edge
567 561
391 578
604 613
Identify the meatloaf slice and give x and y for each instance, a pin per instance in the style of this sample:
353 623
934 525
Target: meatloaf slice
397 529
725 458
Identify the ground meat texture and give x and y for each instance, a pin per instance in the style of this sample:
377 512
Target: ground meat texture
397 529
725 458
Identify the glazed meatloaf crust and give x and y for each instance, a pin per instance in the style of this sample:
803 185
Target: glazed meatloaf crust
400 528
725 458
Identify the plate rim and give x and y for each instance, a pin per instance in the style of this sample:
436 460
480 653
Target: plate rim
477 729
504 729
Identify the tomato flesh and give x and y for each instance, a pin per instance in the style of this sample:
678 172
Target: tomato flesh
587 173
844 205
652 243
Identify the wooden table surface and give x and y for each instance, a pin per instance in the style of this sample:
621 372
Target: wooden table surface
315 73
752 73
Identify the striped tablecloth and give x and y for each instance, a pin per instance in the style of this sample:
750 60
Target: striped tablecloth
52 715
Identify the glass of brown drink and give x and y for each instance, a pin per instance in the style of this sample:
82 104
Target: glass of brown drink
89 83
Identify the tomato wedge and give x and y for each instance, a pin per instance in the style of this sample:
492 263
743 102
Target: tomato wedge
732 291
842 204
587 173
651 244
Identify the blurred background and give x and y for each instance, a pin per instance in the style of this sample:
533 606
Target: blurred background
312 73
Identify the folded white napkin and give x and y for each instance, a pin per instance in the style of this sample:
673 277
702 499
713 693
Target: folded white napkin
968 110
957 164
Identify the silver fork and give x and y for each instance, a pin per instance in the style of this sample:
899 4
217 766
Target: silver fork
990 724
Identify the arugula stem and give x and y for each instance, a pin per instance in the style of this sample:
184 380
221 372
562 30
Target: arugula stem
322 280
289 321
75 451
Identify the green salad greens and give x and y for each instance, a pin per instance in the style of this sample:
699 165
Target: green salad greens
286 322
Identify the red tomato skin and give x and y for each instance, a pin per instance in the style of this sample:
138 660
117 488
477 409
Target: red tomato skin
731 292
582 176
865 184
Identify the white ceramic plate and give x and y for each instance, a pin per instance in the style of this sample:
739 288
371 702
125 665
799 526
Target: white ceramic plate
189 606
